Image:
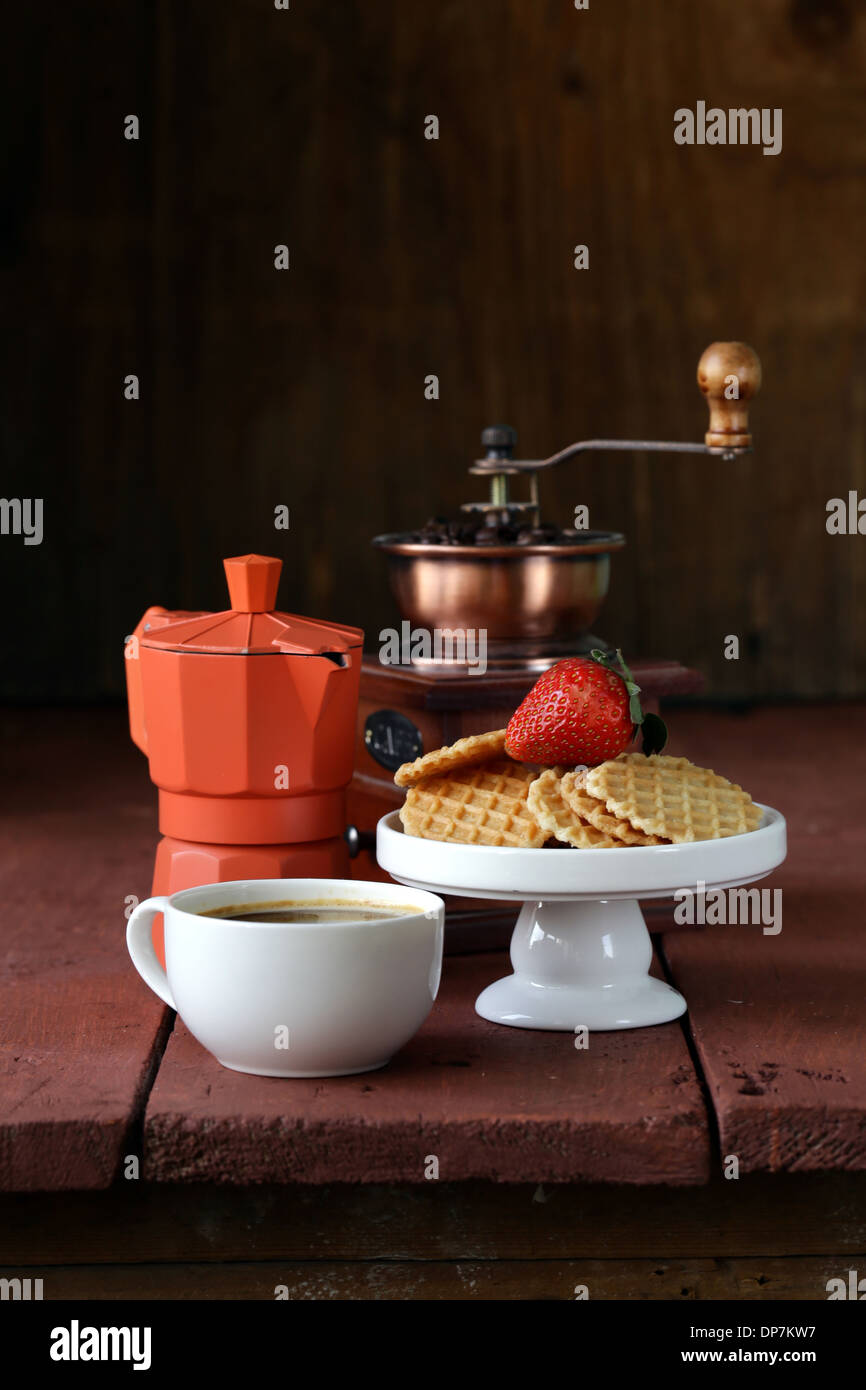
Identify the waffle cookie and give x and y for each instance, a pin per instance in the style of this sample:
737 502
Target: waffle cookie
557 818
484 805
466 752
672 798
596 814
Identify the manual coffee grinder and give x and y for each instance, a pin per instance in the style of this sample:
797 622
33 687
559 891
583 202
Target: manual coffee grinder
535 590
247 718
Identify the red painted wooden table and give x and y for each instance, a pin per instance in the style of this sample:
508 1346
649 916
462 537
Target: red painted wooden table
147 1169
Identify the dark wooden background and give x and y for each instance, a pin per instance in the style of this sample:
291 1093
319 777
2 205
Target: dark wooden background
411 257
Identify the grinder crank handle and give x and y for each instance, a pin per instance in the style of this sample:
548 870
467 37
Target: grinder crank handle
729 375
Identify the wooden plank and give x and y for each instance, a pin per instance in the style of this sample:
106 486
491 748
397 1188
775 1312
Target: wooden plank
489 1102
778 1019
69 1131
92 1031
775 1215
79 1035
756 1280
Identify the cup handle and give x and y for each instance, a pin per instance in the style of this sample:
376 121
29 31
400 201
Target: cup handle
139 940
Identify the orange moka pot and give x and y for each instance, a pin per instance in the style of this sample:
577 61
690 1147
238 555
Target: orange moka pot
248 720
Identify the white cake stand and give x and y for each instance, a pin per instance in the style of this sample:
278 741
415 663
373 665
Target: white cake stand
580 950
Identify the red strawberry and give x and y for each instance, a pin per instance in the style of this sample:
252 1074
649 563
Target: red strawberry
580 711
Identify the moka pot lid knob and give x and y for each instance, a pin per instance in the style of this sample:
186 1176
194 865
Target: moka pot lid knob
253 582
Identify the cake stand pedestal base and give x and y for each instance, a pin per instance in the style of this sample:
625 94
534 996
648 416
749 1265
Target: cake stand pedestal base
580 964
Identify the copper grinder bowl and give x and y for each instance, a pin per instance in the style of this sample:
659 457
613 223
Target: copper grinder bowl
513 592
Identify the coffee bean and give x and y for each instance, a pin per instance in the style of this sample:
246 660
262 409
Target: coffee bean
492 526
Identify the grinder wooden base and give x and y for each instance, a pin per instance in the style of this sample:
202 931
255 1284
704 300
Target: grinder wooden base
406 711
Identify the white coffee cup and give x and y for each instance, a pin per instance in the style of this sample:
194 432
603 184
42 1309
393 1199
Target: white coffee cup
295 998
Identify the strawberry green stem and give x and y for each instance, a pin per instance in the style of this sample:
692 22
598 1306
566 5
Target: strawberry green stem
654 731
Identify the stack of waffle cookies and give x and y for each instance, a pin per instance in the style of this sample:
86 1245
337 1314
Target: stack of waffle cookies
472 793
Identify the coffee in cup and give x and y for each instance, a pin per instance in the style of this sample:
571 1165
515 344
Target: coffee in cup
328 910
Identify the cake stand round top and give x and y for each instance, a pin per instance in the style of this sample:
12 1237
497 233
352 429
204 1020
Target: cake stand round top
635 871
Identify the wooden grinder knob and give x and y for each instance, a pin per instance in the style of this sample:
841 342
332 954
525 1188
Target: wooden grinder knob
729 375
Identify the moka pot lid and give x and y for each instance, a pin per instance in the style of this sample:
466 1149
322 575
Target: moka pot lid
251 626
